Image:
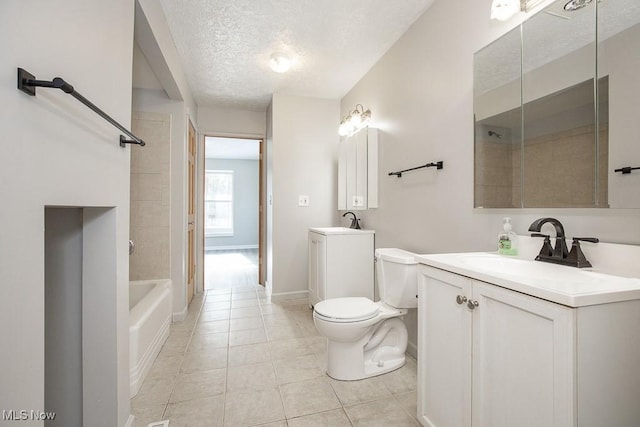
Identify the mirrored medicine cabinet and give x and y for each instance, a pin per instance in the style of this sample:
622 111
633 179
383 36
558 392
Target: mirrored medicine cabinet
358 170
556 110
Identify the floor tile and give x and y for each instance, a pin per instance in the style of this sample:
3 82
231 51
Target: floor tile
154 391
287 349
245 323
204 360
199 384
204 412
165 366
308 397
147 415
248 354
251 377
354 392
402 380
208 341
409 402
251 336
208 316
296 369
335 418
276 333
214 327
239 313
242 303
218 305
380 413
253 407
243 295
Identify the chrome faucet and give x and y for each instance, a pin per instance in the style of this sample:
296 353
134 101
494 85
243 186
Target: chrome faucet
355 222
559 254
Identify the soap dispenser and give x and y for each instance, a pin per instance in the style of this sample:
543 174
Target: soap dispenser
507 239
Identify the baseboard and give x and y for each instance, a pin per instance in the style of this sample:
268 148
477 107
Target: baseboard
181 315
279 296
230 247
412 349
131 421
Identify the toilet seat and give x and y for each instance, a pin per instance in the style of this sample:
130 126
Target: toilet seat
346 310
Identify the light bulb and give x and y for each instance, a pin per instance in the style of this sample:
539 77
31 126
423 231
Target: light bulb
279 62
502 10
356 119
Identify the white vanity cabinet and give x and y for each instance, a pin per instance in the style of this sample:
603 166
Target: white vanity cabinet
493 357
340 263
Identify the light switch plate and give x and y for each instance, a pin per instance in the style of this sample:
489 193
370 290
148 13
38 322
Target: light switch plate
358 201
303 201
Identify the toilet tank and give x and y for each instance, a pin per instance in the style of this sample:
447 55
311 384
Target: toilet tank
397 273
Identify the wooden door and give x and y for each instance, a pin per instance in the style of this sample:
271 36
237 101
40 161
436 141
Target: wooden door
191 213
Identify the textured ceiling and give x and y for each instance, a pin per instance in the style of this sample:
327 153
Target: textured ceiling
225 45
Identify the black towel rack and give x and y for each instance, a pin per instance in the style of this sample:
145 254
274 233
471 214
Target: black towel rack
437 165
625 170
28 83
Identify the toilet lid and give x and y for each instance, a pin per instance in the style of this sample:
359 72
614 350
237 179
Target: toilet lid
351 308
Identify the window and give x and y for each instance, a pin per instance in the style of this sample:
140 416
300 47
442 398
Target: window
218 203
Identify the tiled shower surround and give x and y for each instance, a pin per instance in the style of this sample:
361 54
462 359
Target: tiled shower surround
150 197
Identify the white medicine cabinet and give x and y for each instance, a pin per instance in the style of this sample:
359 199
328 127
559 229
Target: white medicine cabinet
358 170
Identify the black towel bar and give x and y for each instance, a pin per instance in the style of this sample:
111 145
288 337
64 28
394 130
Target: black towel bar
437 165
28 83
625 170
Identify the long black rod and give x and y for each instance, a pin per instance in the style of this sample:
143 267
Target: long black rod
437 165
27 83
625 170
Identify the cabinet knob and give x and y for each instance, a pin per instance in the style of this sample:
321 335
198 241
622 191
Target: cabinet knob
460 299
472 304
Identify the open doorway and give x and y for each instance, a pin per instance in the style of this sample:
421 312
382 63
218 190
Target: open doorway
232 223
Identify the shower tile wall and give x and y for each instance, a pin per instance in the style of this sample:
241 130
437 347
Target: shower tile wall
150 197
558 170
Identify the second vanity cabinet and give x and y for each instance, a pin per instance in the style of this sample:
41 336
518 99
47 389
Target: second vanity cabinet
340 263
493 357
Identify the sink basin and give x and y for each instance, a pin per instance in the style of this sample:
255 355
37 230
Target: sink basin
339 230
565 285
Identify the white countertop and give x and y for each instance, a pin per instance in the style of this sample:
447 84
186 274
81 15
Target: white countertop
339 230
569 286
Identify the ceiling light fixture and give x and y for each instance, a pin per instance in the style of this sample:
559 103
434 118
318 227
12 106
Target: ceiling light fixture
502 10
279 62
354 121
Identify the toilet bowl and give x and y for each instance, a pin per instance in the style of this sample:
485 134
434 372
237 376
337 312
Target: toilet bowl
366 338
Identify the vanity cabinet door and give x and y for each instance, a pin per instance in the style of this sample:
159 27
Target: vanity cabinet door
317 268
444 349
523 353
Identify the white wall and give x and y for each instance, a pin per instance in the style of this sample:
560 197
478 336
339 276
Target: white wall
57 152
218 121
421 97
303 161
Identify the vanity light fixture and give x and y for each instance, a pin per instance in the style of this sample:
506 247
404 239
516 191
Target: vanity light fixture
354 121
279 62
503 10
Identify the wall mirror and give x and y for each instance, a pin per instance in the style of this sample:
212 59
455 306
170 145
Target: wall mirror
358 170
554 110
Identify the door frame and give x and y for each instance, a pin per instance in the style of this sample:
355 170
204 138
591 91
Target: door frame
262 210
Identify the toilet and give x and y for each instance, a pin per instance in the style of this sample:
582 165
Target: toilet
366 338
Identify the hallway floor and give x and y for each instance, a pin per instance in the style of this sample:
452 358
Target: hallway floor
241 360
229 269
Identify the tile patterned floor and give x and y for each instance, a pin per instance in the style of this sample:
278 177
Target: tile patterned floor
240 359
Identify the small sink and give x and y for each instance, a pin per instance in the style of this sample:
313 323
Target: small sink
339 230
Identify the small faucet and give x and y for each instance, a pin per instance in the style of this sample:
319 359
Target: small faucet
560 254
355 222
560 250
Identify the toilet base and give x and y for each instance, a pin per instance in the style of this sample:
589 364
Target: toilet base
377 353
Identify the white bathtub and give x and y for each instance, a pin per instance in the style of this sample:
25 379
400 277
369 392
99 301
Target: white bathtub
149 321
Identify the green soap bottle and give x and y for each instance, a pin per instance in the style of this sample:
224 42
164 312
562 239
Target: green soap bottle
507 239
